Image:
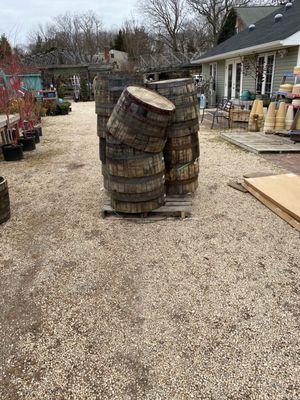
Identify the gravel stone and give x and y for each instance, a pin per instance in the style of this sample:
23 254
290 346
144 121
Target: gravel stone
92 308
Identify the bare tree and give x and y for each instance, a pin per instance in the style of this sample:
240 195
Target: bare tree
79 34
194 38
136 39
213 13
166 18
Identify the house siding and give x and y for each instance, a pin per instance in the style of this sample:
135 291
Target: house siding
248 82
282 64
220 77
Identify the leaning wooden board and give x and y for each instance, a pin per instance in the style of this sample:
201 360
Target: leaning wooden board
281 193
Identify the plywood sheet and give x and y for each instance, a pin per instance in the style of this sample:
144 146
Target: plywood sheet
281 190
282 214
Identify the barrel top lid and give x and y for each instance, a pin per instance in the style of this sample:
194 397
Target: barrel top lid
150 97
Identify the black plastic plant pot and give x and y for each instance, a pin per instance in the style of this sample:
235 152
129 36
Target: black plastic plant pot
39 130
28 143
33 133
12 152
37 136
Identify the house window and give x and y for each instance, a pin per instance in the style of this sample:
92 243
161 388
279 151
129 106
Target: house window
213 74
265 73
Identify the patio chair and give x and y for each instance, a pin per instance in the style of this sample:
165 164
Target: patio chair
222 111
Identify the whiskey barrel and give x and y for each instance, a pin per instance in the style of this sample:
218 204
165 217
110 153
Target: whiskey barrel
135 179
107 90
182 149
123 160
135 195
101 125
139 207
182 179
136 189
140 119
183 128
4 201
182 93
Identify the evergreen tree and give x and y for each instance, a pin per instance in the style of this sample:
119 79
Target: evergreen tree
5 49
119 41
84 92
228 29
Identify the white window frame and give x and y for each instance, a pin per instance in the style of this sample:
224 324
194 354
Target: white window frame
214 69
233 61
266 55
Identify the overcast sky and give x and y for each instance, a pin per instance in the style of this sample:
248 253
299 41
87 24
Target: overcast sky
19 17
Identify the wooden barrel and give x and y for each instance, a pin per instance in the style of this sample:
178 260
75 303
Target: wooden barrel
182 179
183 128
182 93
107 90
125 161
4 201
140 119
182 149
101 125
134 179
135 195
139 207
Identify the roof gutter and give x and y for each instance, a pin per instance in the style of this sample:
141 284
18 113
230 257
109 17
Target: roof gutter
241 52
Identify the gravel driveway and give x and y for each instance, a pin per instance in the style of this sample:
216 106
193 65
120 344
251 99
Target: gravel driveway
205 308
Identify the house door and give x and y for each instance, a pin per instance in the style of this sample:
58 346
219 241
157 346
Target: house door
233 79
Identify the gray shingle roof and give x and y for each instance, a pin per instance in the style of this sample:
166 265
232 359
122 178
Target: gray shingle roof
266 31
250 15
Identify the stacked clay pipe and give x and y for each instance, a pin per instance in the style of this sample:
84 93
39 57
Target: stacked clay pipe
289 119
256 117
181 151
269 126
296 90
134 169
280 117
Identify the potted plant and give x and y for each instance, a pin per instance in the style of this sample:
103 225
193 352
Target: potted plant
11 149
30 117
64 107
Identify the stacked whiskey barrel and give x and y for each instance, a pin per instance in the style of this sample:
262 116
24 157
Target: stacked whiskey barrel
135 138
107 90
181 151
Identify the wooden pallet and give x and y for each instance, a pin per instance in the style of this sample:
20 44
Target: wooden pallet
261 143
176 206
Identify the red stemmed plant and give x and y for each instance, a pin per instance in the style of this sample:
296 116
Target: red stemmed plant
28 112
10 91
6 97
